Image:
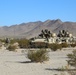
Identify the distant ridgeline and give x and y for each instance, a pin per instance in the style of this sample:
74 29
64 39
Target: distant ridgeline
48 37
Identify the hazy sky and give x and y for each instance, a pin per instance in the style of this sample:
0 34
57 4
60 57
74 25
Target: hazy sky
19 11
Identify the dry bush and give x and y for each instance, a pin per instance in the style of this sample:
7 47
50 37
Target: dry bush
23 43
72 62
11 48
73 45
72 58
64 45
38 56
39 45
54 47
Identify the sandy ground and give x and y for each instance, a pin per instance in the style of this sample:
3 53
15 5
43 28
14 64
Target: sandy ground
16 63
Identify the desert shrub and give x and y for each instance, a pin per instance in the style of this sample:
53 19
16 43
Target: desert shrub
13 41
11 47
0 44
73 45
64 45
23 43
2 40
54 47
72 61
72 58
39 45
38 56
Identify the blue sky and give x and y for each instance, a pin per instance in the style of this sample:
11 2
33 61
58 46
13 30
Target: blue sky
19 11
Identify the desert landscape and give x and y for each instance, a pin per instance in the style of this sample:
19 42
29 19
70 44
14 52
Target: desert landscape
17 63
37 37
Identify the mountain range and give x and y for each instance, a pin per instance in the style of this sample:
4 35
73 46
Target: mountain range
33 29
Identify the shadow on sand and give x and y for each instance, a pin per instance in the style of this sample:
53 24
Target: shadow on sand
19 62
60 69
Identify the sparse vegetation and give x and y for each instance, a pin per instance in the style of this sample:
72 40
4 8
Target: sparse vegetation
38 56
18 43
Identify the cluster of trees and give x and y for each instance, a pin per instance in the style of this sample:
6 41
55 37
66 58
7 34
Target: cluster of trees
45 34
63 33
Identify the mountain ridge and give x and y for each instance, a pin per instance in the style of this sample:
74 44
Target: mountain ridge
32 29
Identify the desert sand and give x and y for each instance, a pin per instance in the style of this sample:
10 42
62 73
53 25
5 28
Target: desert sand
17 63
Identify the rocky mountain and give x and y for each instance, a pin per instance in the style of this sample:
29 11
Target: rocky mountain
32 29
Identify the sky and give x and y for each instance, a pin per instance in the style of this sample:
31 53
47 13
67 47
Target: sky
24 11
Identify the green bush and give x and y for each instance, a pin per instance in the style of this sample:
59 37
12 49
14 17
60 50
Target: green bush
54 47
38 56
11 48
